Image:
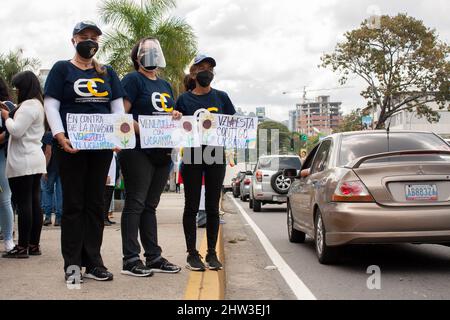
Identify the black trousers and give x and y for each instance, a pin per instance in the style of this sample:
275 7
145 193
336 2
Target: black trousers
83 178
144 183
108 195
192 177
27 194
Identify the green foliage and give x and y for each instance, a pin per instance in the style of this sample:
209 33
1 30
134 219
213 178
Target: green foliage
12 63
131 23
403 62
351 122
273 128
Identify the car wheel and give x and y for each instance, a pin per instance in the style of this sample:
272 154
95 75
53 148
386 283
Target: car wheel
325 254
257 206
295 236
280 184
250 203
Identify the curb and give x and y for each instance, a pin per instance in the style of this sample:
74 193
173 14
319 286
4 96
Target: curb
208 285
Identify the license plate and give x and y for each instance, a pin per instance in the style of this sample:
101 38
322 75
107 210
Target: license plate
279 199
415 192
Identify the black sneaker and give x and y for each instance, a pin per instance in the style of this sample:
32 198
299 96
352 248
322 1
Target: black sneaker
99 274
195 262
47 222
57 222
107 223
34 250
17 253
212 262
71 278
163 266
136 269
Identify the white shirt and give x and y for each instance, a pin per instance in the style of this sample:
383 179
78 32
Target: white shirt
25 155
112 172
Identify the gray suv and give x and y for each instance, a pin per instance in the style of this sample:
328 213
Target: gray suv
268 185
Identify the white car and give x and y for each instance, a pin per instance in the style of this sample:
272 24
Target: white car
268 185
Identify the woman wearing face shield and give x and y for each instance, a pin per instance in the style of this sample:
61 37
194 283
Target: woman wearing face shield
189 103
145 171
82 85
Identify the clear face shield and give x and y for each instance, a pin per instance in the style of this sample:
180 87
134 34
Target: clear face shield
150 55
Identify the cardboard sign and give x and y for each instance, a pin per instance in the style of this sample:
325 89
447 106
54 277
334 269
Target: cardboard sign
101 131
164 132
228 131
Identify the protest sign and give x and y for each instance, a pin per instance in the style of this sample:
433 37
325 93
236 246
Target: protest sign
228 131
164 132
101 131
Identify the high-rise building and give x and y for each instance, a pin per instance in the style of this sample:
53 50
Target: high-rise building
321 115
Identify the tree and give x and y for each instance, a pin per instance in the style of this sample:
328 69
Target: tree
132 22
273 128
403 62
351 122
12 63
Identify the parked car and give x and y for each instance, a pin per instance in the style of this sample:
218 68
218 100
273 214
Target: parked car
245 186
371 187
268 184
236 184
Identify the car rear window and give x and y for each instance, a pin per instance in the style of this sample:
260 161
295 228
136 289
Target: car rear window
280 163
356 146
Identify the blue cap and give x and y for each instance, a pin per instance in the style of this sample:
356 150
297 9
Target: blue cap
86 25
203 57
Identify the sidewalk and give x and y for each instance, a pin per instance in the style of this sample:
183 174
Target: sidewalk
43 277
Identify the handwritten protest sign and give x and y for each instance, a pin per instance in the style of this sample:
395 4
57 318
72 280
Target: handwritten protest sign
228 131
101 131
164 132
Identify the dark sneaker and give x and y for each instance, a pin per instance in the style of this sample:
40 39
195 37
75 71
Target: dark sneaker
136 269
99 274
163 266
212 262
107 223
71 278
202 226
195 262
47 222
57 222
34 250
17 253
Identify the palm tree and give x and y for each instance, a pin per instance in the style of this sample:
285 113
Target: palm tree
12 63
132 22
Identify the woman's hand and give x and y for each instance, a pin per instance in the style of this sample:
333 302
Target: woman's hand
65 143
5 113
176 115
137 131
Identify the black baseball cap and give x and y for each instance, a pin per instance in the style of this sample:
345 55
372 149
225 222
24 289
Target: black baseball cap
86 25
206 58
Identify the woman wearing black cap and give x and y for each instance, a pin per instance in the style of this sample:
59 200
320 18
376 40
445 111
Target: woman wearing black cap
82 85
203 97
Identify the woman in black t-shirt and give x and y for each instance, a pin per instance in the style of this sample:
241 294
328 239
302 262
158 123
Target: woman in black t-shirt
189 103
83 86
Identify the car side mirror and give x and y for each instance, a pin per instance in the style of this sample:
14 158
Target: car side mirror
290 173
249 173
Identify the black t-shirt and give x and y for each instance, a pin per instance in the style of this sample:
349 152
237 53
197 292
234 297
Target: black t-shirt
215 101
82 91
149 98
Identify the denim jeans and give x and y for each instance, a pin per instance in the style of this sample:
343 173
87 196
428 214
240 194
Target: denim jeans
144 184
52 194
6 211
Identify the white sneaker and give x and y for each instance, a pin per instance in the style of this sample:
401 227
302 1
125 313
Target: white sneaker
9 245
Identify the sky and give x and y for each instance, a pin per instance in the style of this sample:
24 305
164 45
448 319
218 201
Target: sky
262 48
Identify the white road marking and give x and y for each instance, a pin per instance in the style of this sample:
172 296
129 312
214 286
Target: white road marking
297 286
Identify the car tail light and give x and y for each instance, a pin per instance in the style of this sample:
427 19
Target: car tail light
247 182
352 191
259 176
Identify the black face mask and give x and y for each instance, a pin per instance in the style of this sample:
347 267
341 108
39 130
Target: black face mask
148 68
205 78
87 49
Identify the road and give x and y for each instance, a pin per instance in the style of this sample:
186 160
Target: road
407 271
